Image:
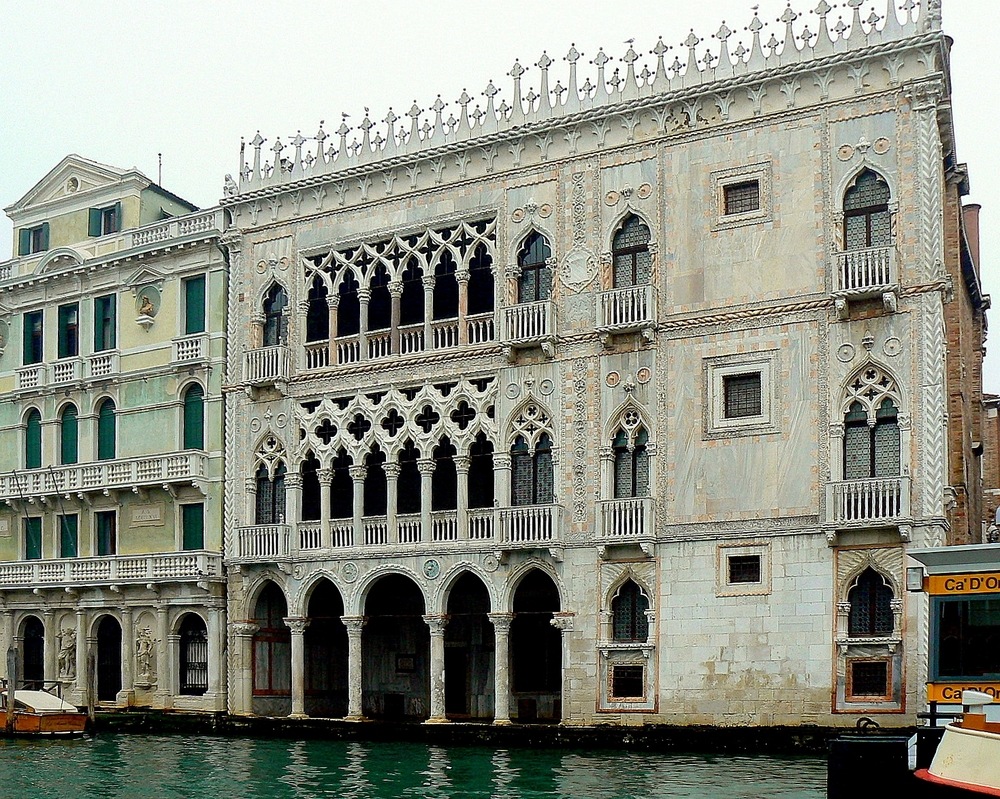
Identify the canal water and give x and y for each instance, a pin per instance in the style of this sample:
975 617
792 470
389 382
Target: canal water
196 767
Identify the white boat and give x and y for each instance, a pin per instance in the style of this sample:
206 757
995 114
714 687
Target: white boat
967 761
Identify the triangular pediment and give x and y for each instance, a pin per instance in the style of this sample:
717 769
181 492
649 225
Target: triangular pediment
72 176
144 277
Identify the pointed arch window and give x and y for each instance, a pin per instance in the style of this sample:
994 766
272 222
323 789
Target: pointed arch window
106 434
871 606
411 303
311 491
318 313
631 476
866 213
631 259
444 481
348 306
194 417
275 318
408 483
380 301
445 287
270 495
69 436
481 490
33 440
629 621
531 472
871 447
375 485
341 487
481 281
535 277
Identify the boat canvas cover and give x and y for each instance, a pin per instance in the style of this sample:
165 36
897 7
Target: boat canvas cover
40 702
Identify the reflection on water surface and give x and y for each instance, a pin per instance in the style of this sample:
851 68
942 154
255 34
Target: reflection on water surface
155 767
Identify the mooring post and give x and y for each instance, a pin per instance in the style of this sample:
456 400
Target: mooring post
11 686
91 684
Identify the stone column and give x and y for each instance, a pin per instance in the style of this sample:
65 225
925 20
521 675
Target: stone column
51 672
301 314
395 294
332 302
462 277
354 626
428 282
501 489
358 474
501 667
462 463
563 621
426 468
251 502
216 661
171 676
391 488
364 295
128 654
256 330
7 638
325 477
298 627
293 501
241 663
607 472
437 625
164 668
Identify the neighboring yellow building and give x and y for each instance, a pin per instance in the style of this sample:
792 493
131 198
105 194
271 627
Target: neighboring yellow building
112 325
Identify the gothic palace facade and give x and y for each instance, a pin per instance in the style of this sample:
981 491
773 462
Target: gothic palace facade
618 403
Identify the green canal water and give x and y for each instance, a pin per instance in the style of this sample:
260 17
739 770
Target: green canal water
157 767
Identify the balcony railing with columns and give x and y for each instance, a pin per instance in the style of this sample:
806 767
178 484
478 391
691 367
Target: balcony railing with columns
266 365
624 520
530 526
528 324
112 569
263 542
133 474
190 348
626 309
31 376
867 272
876 500
66 371
103 364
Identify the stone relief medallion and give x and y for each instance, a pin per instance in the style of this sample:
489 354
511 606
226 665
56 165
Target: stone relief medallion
644 191
255 425
846 152
281 420
644 375
881 145
545 210
892 347
613 379
4 334
298 571
491 563
845 353
349 571
261 267
612 198
579 269
431 569
512 391
546 387
517 215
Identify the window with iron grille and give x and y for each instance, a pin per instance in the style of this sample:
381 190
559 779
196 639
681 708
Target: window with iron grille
741 198
627 681
275 319
742 395
194 656
867 679
871 450
535 282
270 507
744 568
866 213
631 465
531 472
631 259
629 621
871 607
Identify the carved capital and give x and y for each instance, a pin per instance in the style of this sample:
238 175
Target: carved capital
563 621
354 624
391 470
501 621
436 624
462 462
357 473
243 629
425 465
296 624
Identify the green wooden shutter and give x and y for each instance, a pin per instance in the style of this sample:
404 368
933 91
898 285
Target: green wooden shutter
45 237
194 305
106 431
68 443
33 538
193 523
118 218
33 441
69 317
68 538
111 322
26 339
105 333
23 241
194 418
94 222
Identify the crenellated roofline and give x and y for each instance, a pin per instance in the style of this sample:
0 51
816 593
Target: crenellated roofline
309 161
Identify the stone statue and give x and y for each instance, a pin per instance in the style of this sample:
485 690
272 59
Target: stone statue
144 653
67 654
146 308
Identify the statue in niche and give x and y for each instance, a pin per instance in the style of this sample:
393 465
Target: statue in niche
67 654
146 307
144 644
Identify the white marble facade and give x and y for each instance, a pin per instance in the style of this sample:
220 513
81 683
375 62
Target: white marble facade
691 560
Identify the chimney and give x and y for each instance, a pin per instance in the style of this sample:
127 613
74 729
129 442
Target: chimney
970 218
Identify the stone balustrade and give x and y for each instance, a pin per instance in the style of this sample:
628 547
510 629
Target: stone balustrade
266 365
868 501
528 323
263 542
627 519
190 348
530 526
631 308
111 570
867 272
103 364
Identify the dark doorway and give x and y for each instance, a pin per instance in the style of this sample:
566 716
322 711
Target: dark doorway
194 656
395 651
468 651
272 655
33 659
326 653
536 650
109 659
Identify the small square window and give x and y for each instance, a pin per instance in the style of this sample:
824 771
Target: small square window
744 569
109 220
741 198
32 240
742 395
627 682
868 680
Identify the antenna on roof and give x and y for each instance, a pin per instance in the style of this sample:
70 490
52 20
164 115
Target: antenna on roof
159 176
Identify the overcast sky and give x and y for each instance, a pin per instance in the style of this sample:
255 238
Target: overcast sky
120 82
